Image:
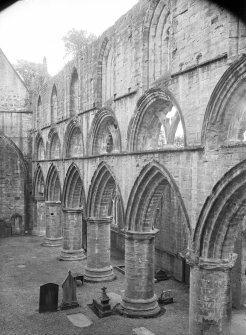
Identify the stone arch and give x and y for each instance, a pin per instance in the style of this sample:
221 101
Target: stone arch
15 184
53 185
74 93
53 145
145 195
215 265
53 105
73 140
74 211
107 72
38 227
100 71
158 122
156 203
104 135
225 116
39 148
38 183
39 112
156 40
73 190
103 189
222 215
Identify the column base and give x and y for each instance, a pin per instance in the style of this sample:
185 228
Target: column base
140 307
36 232
52 242
76 255
99 275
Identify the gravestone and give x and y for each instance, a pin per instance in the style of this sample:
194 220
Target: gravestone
102 306
69 293
48 298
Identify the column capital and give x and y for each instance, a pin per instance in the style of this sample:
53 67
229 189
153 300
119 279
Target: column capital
140 235
222 264
52 203
99 220
73 210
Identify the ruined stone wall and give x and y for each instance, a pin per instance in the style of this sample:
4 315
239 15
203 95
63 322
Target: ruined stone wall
15 148
159 54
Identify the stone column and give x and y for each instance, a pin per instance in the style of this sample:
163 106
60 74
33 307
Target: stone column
53 216
72 235
210 296
39 217
139 298
98 267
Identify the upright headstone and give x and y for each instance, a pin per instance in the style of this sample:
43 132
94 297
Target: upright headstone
69 293
48 298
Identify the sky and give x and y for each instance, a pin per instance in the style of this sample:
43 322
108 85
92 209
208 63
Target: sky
32 29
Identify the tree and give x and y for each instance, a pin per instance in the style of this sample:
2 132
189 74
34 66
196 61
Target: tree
76 41
33 74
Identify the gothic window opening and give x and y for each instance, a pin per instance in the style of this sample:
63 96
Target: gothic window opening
53 105
40 150
108 74
39 111
157 124
55 147
74 94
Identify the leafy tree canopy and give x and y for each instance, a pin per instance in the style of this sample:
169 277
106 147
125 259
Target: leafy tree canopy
76 41
33 74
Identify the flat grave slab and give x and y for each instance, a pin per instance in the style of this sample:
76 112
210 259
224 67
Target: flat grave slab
141 331
79 320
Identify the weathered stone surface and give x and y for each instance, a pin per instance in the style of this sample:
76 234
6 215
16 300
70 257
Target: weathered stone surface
139 297
98 268
72 235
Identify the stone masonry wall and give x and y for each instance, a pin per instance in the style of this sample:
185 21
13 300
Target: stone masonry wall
194 43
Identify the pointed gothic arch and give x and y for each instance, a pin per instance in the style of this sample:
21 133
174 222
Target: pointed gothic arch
74 93
53 144
53 185
38 183
73 140
156 41
104 136
225 117
73 190
53 105
39 148
222 215
100 71
39 118
156 203
102 192
158 122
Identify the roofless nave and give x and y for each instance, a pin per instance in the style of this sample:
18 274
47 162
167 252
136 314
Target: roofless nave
140 144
